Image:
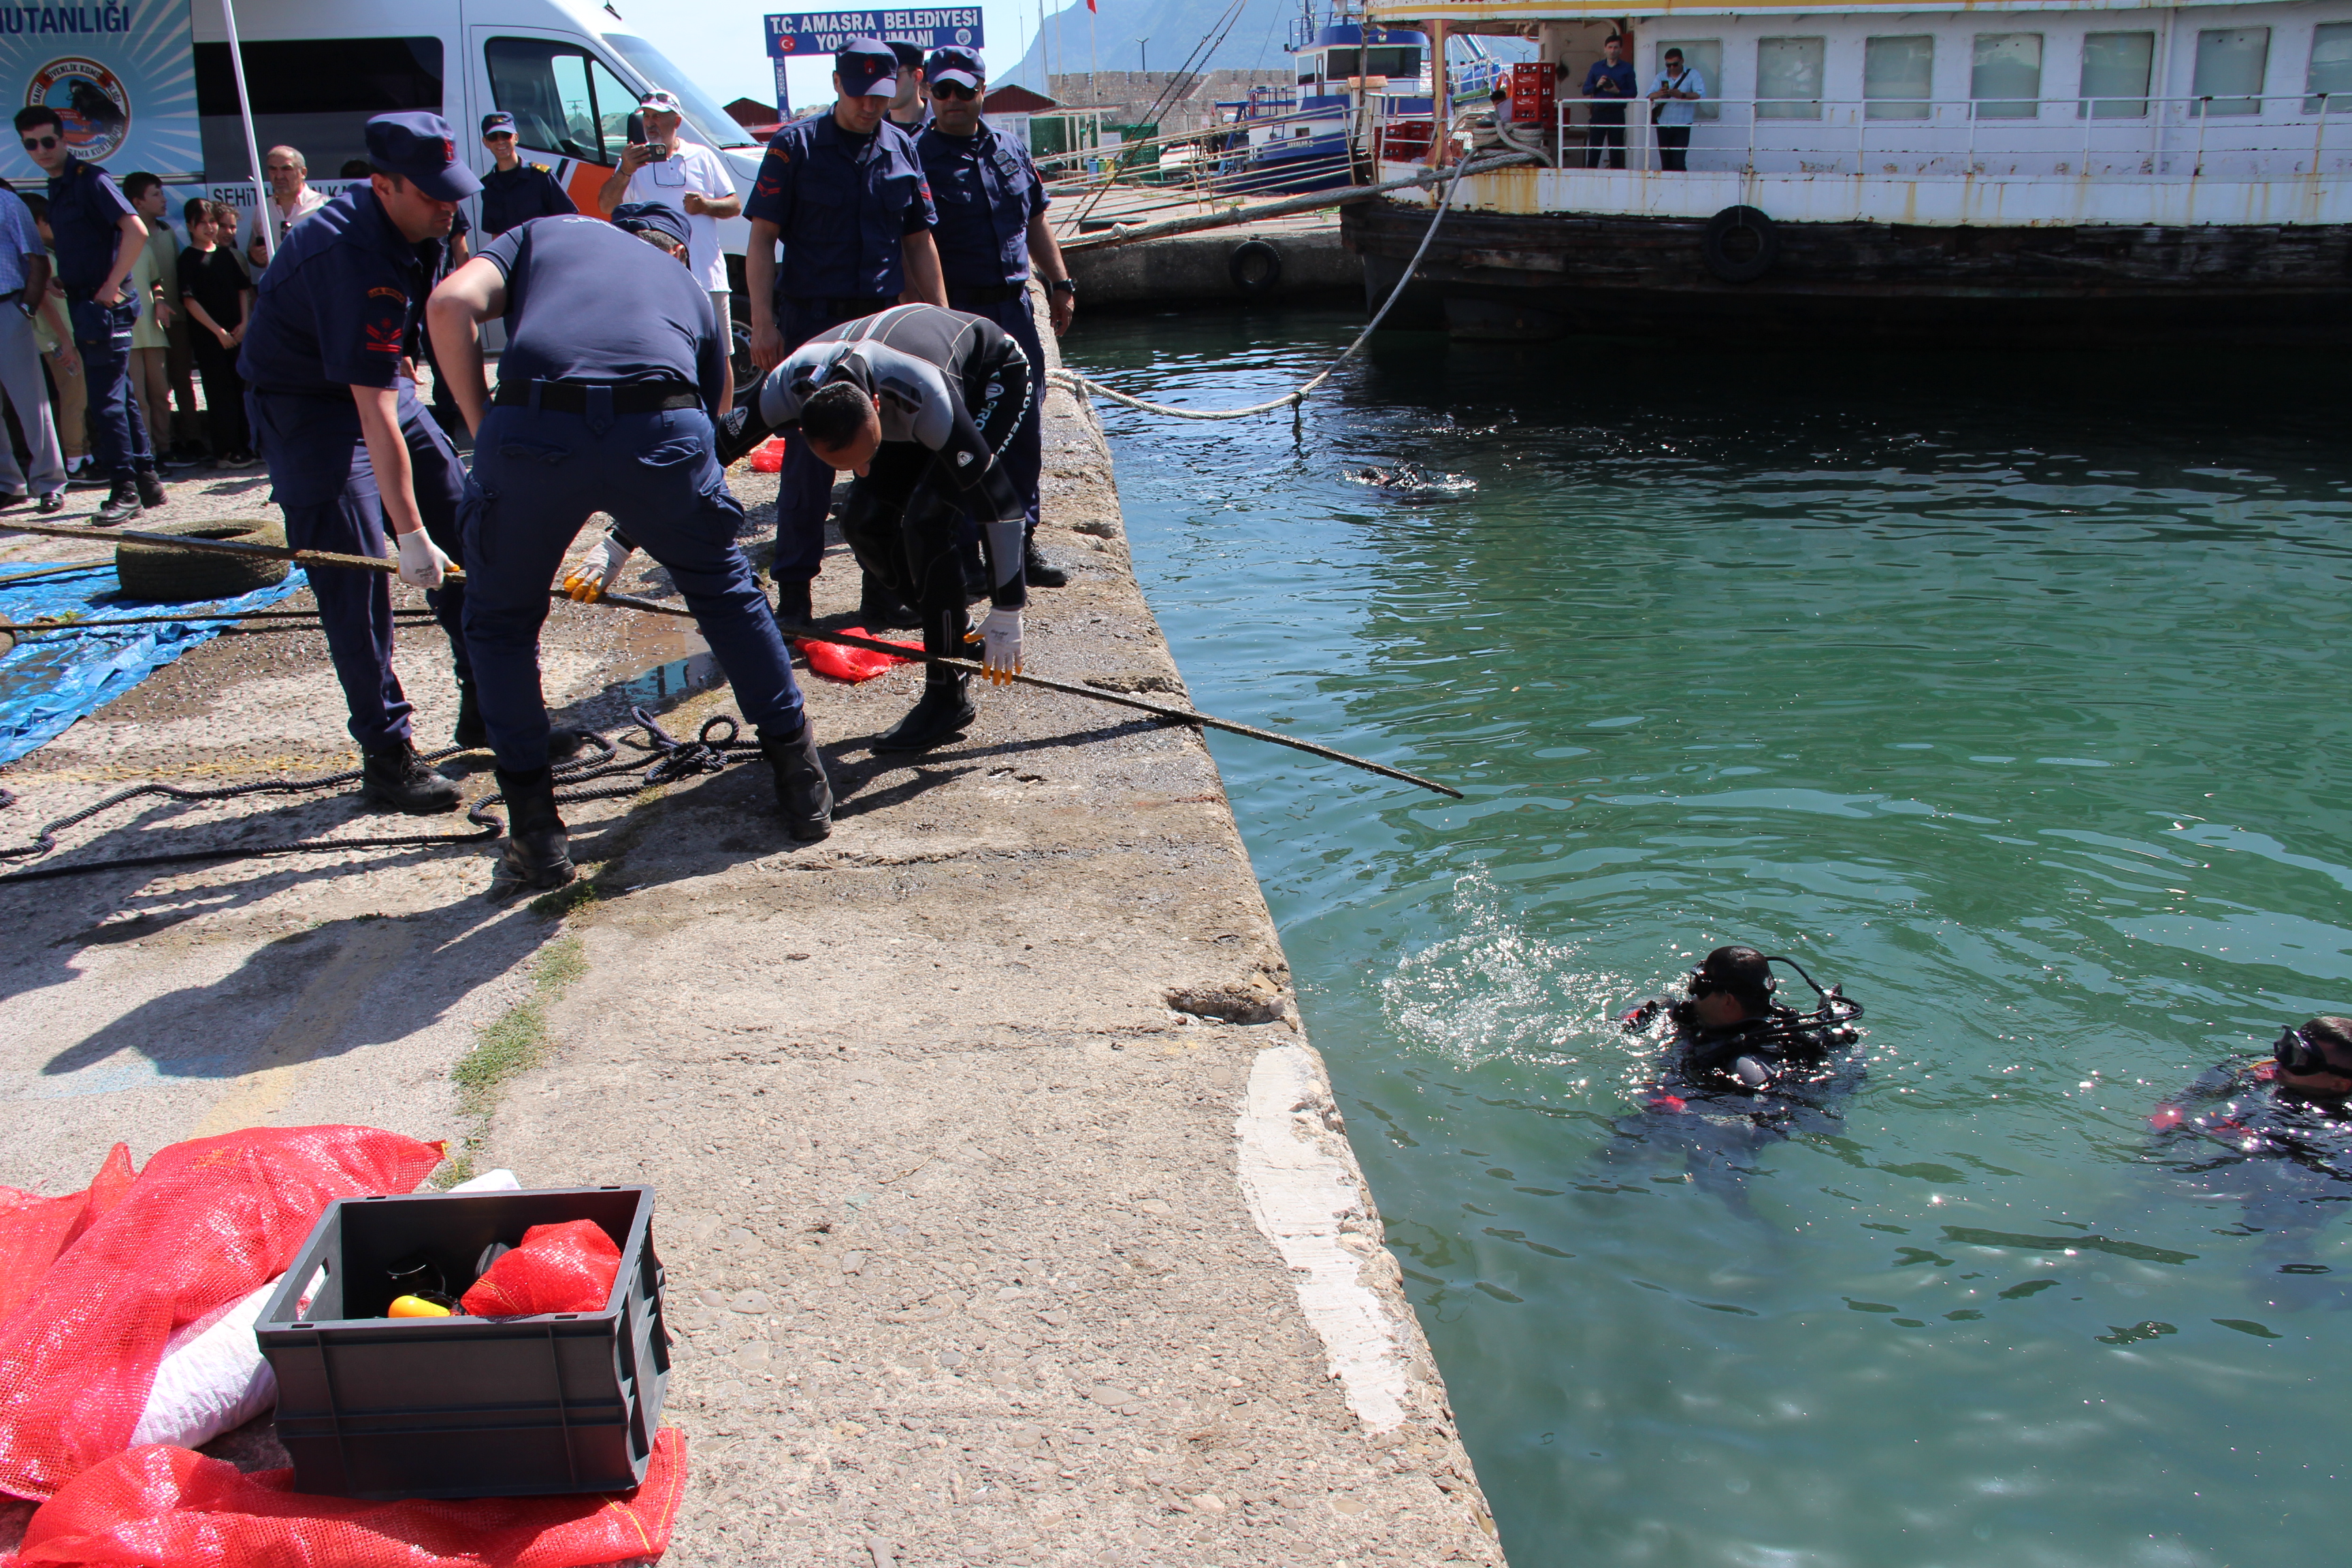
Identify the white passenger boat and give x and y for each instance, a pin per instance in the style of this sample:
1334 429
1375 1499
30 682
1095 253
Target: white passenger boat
1998 171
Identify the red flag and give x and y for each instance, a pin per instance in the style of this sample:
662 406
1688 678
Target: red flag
1090 7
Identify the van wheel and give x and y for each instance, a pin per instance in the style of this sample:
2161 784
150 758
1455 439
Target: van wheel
1254 267
159 572
1740 244
747 375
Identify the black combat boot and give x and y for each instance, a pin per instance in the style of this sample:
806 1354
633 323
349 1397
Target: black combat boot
802 795
942 714
1035 570
471 735
397 776
149 488
121 505
881 610
538 853
792 607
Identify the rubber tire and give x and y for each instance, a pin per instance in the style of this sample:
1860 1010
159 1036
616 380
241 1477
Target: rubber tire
1719 261
164 575
1253 284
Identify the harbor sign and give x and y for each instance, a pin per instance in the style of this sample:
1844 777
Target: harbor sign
121 76
816 33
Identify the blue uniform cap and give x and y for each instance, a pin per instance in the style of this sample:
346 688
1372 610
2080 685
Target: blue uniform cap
493 123
420 149
634 217
867 67
959 66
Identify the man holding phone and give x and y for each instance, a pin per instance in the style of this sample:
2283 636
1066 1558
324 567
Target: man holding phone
669 170
1609 83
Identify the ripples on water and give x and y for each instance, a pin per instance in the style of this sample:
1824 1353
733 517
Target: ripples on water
2009 694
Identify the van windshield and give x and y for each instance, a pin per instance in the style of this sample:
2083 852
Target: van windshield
713 124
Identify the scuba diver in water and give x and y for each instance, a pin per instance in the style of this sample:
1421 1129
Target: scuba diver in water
2274 1135
1744 1069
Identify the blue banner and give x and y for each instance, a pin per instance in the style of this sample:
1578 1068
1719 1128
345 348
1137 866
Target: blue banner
814 33
121 76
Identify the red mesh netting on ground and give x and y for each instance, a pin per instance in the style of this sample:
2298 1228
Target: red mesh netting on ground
856 664
206 1222
168 1507
35 1229
567 1268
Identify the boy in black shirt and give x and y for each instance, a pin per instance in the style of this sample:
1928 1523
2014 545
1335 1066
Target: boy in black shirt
218 295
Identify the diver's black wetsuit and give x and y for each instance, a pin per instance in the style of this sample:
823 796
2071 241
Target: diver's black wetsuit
952 389
1698 1103
2283 1156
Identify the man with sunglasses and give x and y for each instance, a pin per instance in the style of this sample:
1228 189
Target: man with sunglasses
515 191
350 447
992 230
99 239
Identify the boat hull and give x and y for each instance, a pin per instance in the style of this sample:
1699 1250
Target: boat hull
1516 276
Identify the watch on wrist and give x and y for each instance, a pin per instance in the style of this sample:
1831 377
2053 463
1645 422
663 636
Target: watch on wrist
1063 286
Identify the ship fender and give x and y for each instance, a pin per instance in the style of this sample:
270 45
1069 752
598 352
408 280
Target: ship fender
1256 269
1740 244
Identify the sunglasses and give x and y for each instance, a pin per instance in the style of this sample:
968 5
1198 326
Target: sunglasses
2298 1054
43 142
954 91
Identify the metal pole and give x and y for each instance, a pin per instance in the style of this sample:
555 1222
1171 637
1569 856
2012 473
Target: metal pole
244 118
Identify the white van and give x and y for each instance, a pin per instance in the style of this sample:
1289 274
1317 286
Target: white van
570 73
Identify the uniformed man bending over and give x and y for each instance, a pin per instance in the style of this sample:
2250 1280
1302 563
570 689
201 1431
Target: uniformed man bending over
515 191
844 194
614 367
921 403
992 230
350 448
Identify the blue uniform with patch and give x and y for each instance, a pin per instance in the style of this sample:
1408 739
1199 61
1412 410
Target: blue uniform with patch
515 196
86 213
986 192
844 205
614 367
336 310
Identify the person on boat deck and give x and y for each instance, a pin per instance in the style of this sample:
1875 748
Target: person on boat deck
1677 93
1611 84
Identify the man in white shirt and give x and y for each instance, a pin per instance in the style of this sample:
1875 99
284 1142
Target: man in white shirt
292 199
669 170
1674 99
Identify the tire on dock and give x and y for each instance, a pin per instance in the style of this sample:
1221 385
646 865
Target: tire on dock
1256 269
159 572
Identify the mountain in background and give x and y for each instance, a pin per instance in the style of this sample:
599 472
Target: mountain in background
1175 29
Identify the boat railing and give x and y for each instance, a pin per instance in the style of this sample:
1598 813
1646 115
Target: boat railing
1220 165
2239 138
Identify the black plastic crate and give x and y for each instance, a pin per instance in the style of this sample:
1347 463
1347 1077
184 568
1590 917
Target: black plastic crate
370 1406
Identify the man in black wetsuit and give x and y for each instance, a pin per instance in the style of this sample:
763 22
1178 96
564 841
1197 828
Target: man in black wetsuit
921 403
2296 1105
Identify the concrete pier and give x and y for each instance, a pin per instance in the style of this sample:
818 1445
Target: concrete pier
1007 1214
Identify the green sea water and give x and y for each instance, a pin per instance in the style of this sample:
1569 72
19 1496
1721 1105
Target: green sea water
2008 691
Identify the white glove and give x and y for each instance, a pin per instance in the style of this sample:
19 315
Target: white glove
1000 631
598 570
421 564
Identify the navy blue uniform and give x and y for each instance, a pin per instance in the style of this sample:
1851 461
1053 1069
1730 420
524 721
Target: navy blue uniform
336 308
614 368
517 195
845 205
86 213
986 192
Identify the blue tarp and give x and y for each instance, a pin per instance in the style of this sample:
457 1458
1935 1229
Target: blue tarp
49 681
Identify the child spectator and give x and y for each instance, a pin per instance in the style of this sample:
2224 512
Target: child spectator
155 283
219 296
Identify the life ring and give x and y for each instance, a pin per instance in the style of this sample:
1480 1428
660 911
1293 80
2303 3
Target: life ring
1254 267
1740 244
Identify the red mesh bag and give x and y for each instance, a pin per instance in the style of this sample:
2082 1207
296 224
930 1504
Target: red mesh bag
855 664
768 456
161 1507
34 1230
567 1268
206 1222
